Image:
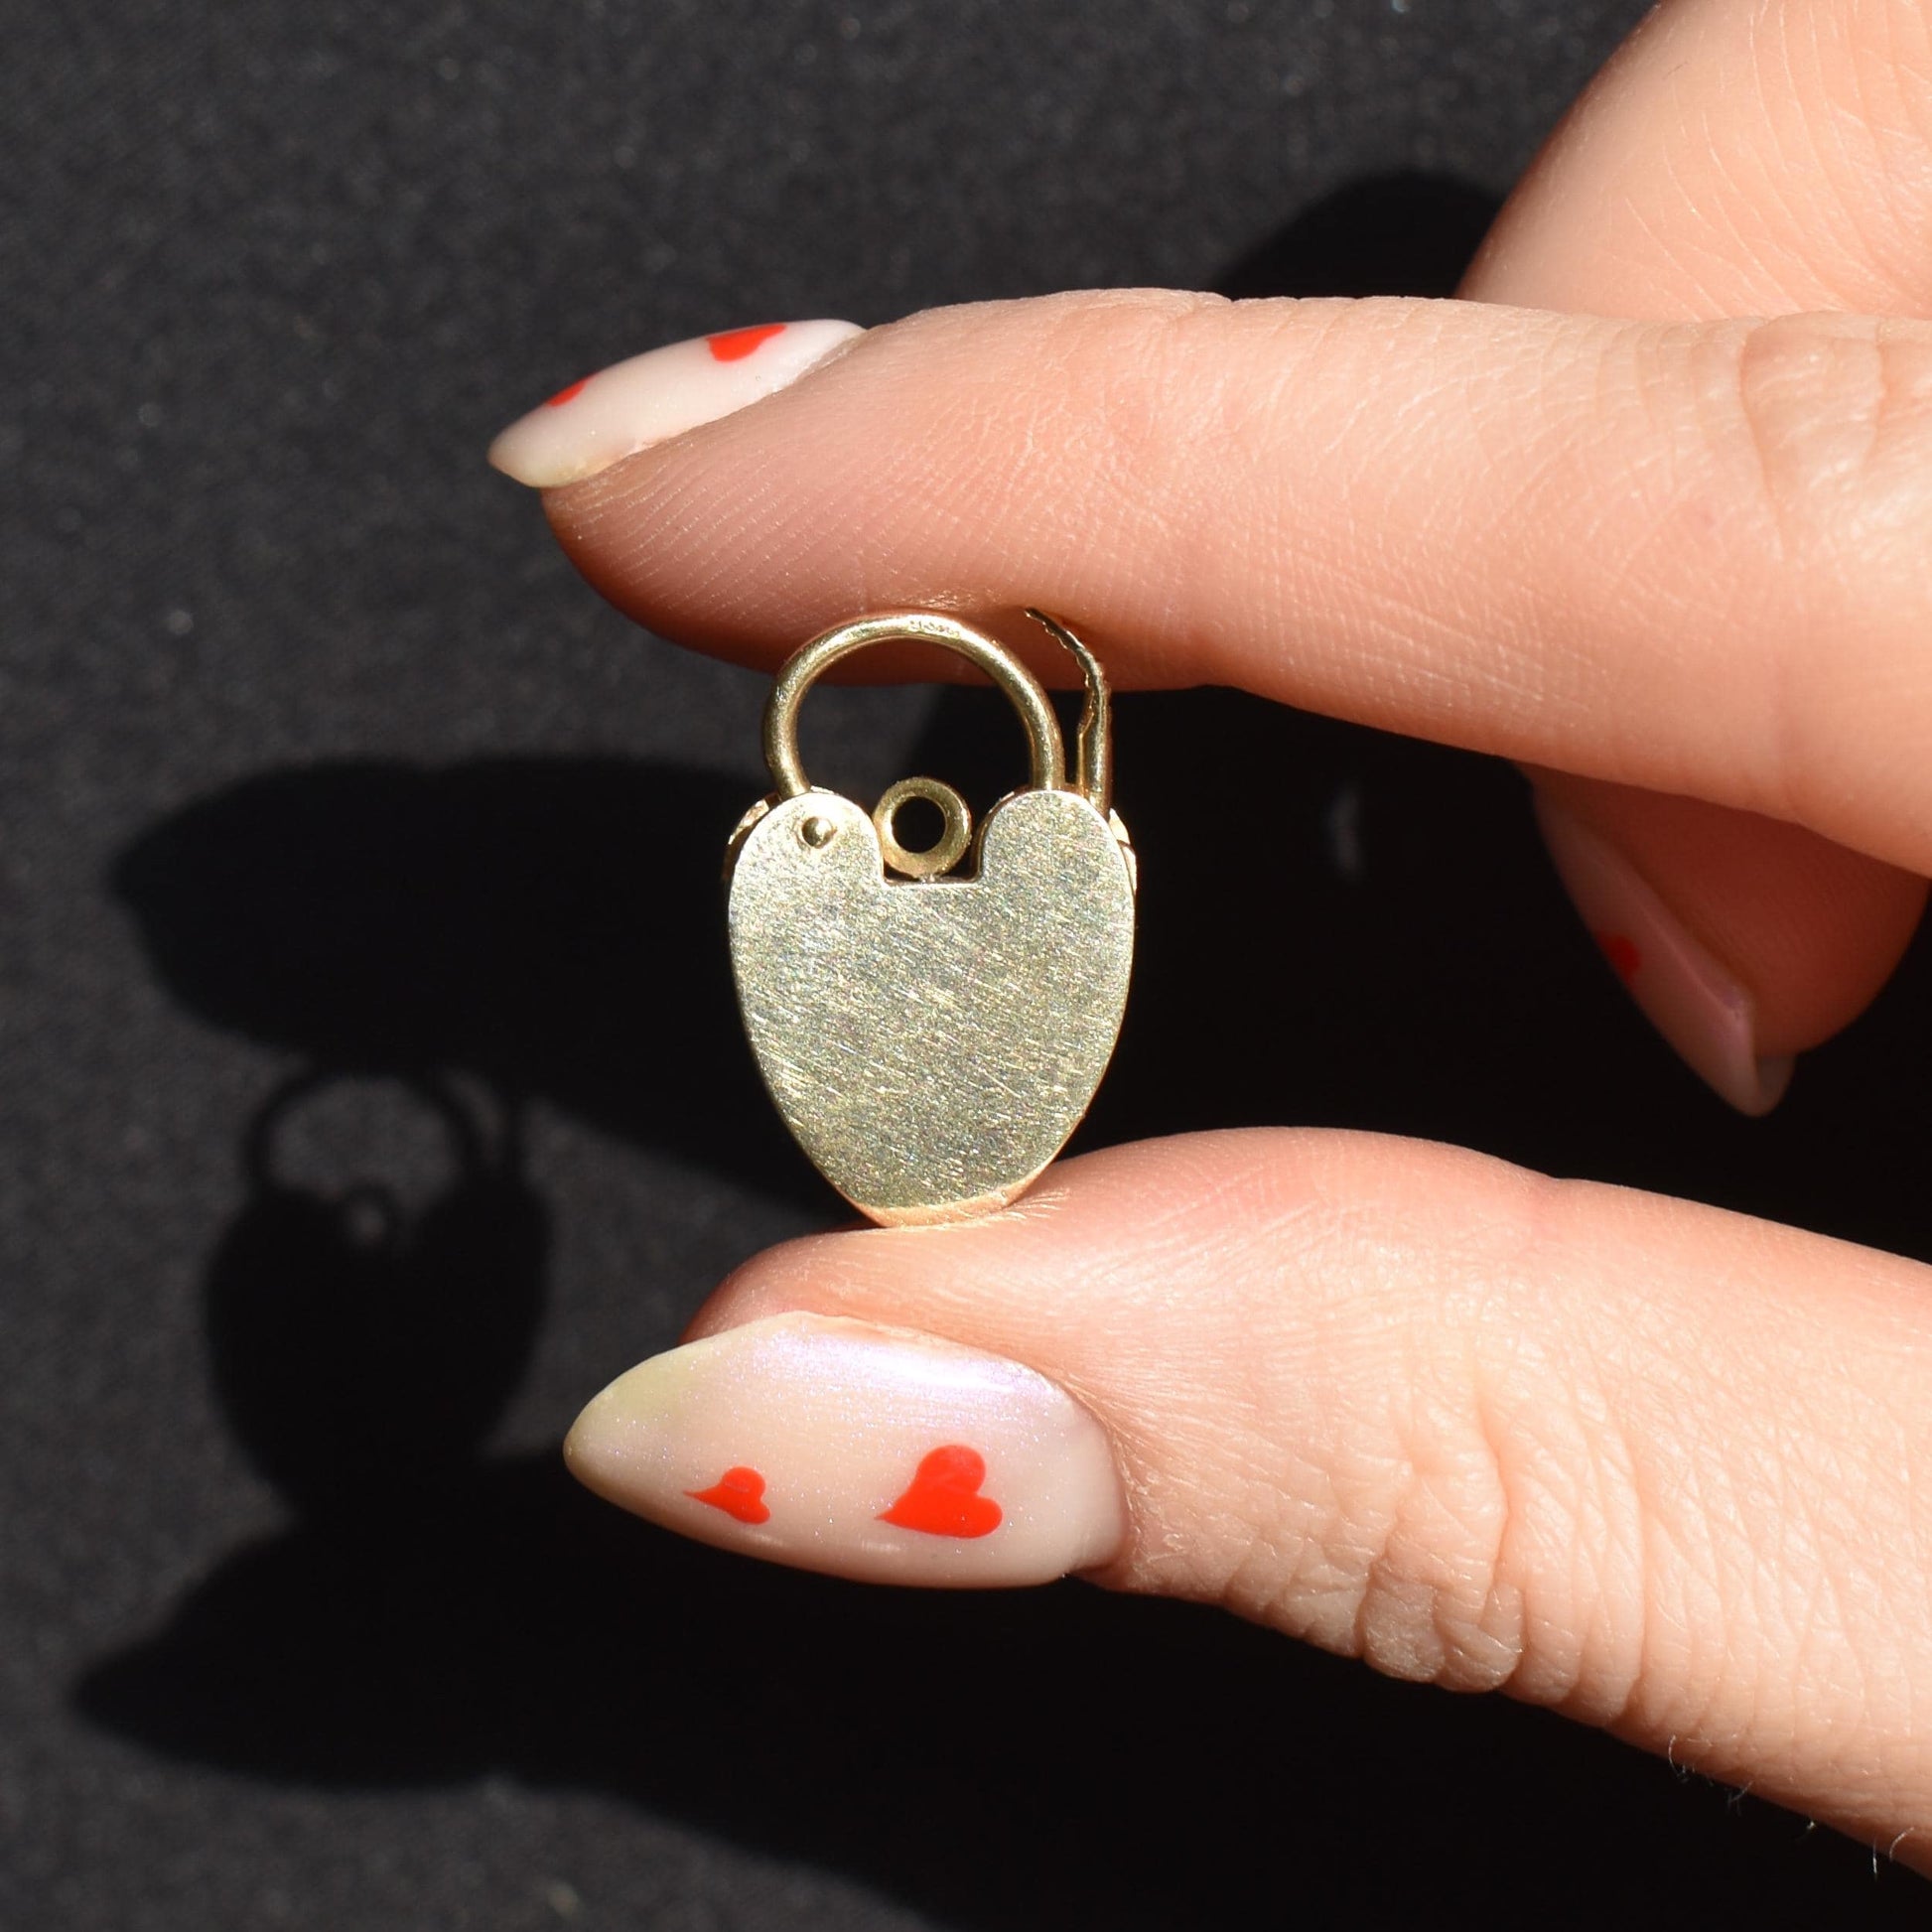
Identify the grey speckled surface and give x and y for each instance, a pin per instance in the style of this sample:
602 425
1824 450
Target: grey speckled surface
313 756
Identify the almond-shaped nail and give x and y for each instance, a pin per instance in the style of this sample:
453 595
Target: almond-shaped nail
1690 997
627 407
865 1452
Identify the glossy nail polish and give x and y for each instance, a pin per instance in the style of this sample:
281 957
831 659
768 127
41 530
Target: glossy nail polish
866 1452
605 417
1690 997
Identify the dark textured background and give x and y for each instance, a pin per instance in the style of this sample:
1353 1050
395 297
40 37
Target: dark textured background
346 842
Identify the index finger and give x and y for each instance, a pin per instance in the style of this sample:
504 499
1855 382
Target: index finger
1685 556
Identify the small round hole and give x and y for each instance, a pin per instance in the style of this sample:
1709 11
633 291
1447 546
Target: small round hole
923 827
919 824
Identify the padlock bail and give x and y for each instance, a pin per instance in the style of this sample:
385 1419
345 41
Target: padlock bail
1046 750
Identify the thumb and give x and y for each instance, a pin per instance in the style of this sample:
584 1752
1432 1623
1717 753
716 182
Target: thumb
1649 1463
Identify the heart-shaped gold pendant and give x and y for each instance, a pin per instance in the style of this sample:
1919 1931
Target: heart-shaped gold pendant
931 1039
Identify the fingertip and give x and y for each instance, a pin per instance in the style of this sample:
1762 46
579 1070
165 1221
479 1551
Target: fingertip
1690 995
1774 1072
1746 941
869 1451
596 422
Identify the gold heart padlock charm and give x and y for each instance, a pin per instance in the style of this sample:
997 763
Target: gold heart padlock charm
930 1030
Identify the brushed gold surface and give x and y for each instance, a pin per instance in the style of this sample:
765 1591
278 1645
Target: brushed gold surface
932 1041
932 1044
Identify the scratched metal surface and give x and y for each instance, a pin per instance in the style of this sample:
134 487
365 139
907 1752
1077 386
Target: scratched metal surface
932 1044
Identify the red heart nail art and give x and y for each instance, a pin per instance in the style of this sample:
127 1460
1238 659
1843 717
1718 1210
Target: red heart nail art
1622 954
564 395
737 1492
944 1499
736 343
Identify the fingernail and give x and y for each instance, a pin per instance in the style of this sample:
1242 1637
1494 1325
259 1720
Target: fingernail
1692 999
627 407
868 1452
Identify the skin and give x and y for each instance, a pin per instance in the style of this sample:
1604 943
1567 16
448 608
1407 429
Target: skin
1661 1467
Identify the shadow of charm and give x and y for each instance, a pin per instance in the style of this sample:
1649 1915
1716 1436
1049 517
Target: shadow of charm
362 1345
933 1020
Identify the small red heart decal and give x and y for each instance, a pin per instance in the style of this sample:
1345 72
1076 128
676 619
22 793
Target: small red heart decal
945 1499
564 395
737 1492
1622 954
736 343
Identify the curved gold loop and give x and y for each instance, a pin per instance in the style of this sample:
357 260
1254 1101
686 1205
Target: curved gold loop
955 831
1046 752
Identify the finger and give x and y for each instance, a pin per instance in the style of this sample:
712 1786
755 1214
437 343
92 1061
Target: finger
1657 1466
1746 941
1736 159
1682 556
1731 160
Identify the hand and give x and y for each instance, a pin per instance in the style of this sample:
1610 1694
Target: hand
1658 1466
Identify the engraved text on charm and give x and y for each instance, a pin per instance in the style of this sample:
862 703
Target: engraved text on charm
933 1039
